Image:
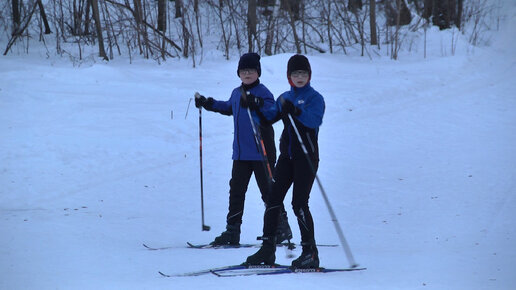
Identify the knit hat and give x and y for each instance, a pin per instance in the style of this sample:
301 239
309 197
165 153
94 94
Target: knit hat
249 60
298 62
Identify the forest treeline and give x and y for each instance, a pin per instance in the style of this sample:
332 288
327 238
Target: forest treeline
162 29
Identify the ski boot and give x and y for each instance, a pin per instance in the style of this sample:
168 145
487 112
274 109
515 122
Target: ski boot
309 257
266 255
283 233
229 237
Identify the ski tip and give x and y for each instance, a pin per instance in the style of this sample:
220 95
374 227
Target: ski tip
163 274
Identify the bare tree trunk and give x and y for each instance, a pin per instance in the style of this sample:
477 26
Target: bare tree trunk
162 15
186 33
20 29
251 24
137 13
87 19
225 36
271 26
329 25
178 4
292 22
98 26
44 17
458 20
112 36
396 35
372 22
16 16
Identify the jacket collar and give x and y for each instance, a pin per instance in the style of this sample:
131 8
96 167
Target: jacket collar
250 86
301 90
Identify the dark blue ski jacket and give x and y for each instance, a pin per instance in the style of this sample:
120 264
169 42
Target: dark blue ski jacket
312 107
244 145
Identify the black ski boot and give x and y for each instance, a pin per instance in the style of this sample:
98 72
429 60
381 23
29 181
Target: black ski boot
229 237
283 233
309 257
266 255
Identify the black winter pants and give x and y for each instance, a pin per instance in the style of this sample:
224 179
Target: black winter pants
298 172
240 176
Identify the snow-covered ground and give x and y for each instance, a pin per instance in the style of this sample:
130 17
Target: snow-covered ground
417 157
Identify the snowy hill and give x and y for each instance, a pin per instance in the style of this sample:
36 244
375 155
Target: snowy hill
417 158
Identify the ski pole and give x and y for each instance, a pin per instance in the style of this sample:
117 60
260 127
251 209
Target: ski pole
258 140
204 227
343 241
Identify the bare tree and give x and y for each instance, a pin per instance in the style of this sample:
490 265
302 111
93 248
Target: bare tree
186 32
178 4
162 15
292 22
225 37
401 9
16 16
148 27
372 21
271 26
44 17
327 18
251 24
98 26
23 25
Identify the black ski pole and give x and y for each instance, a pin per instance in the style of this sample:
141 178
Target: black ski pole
204 227
343 241
258 140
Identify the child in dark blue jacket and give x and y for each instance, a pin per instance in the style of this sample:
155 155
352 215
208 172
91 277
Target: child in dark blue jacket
306 107
247 159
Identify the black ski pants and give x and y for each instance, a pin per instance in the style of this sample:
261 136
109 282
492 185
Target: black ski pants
240 176
297 172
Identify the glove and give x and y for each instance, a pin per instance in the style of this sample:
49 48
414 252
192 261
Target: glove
200 101
289 108
251 101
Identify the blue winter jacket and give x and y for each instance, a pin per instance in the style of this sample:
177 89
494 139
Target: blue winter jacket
312 107
244 145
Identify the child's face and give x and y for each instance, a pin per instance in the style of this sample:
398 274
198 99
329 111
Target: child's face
248 76
299 78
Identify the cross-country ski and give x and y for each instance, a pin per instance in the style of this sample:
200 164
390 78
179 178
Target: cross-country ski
249 270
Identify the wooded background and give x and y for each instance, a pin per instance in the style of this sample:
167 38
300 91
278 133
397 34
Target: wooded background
162 29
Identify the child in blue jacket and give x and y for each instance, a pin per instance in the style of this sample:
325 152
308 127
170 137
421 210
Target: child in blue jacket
306 107
247 158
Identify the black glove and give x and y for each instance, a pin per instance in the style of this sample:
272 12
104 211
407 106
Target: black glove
288 108
251 101
201 101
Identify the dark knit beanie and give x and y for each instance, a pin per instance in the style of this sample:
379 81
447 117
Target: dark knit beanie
250 60
298 62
